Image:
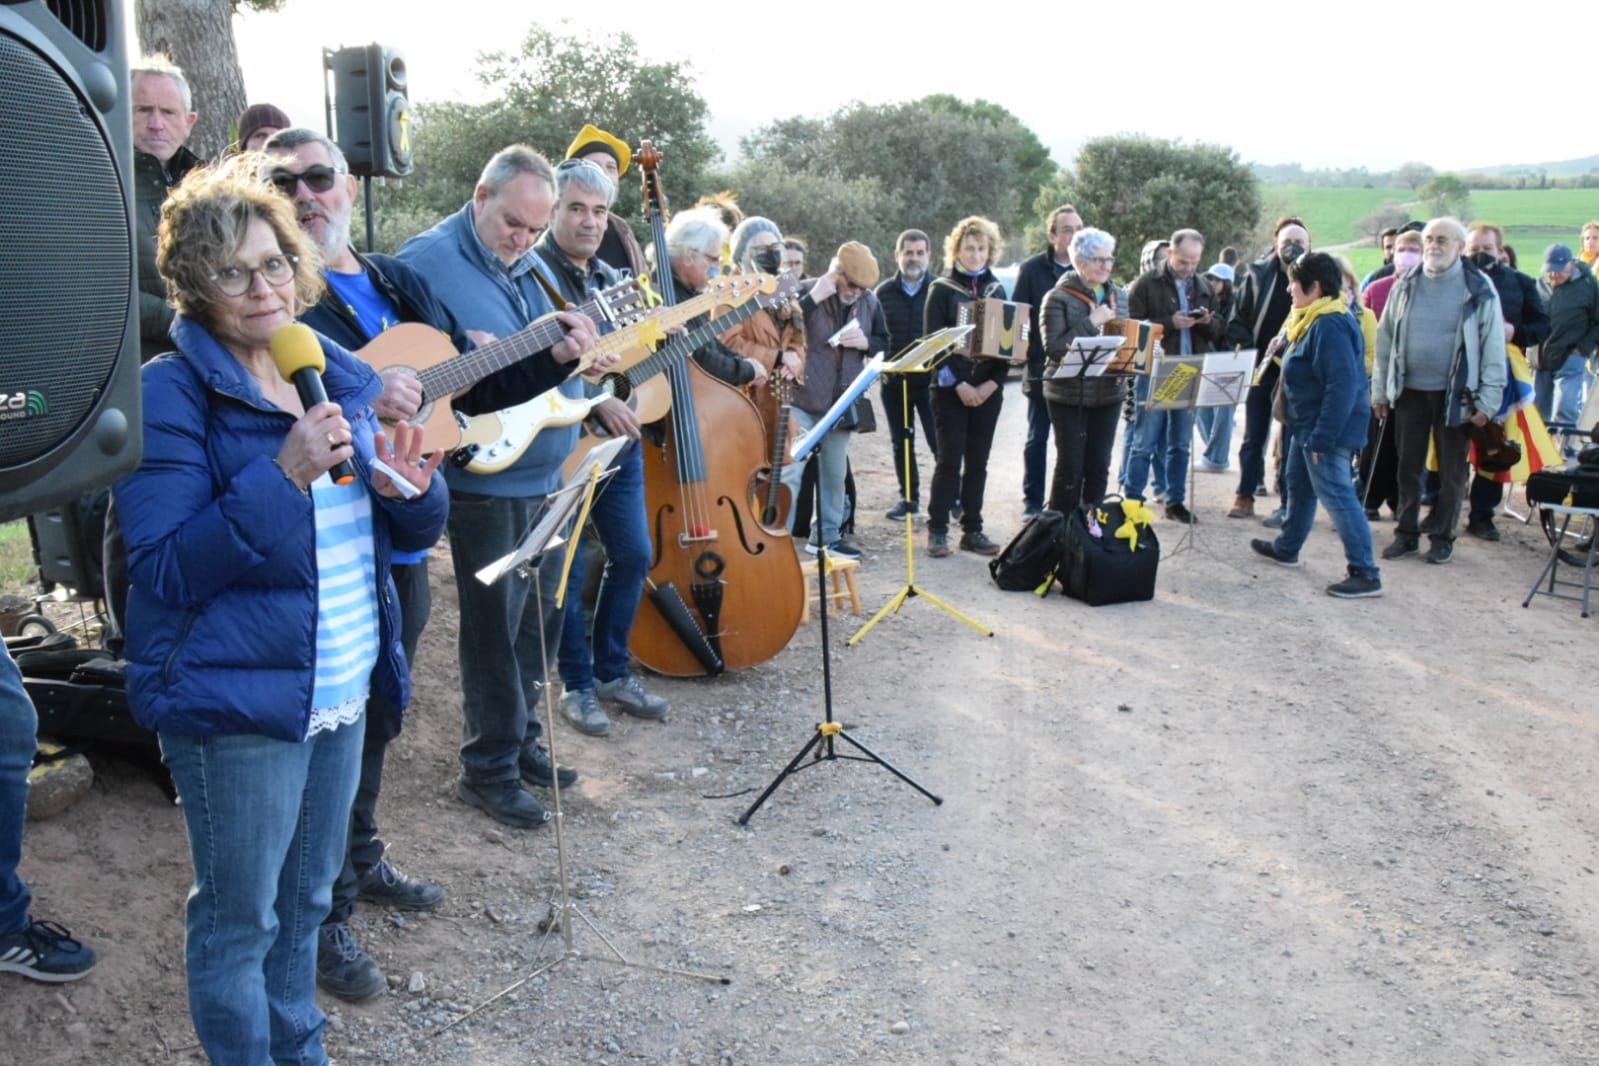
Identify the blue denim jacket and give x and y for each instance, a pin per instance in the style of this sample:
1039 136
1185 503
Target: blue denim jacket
1324 385
482 294
222 548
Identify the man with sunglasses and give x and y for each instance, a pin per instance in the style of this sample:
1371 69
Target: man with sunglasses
365 295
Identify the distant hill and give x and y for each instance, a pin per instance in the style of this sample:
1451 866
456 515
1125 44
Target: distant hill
1565 168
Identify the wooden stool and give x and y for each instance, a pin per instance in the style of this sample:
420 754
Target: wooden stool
842 571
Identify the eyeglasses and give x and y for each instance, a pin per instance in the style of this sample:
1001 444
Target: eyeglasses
1101 260
317 178
238 280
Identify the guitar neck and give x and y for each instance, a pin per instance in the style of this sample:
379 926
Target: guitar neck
456 375
680 345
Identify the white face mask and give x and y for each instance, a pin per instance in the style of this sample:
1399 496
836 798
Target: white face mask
1406 259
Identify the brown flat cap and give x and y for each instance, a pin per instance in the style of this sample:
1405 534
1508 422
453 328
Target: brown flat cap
857 263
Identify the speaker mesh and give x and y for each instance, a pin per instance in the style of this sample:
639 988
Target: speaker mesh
66 257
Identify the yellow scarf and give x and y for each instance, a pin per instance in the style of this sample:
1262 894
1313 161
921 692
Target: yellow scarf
1300 318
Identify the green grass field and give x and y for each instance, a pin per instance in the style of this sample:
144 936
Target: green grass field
17 572
1532 219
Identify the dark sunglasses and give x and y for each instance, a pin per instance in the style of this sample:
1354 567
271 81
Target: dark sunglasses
317 178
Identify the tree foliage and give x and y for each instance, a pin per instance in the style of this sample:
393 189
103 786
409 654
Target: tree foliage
1447 194
542 95
929 162
822 208
1390 215
1414 175
1140 188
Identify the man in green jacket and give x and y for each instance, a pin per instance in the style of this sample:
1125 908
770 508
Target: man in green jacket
163 118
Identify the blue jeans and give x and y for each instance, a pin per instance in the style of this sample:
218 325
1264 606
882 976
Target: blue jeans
1570 380
267 822
1216 427
1330 479
1035 452
832 460
18 737
1161 440
502 660
624 531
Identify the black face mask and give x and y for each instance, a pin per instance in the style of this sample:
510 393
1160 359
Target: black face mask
769 260
1290 252
1484 260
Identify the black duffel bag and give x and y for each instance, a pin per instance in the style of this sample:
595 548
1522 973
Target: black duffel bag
1573 485
1102 567
1033 558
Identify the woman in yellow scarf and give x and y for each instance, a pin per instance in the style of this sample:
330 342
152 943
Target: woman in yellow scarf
1327 402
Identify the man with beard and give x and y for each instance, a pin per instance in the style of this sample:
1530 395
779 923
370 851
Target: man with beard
1034 280
365 295
1260 307
903 297
1440 364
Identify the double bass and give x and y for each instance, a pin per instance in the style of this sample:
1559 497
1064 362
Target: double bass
725 590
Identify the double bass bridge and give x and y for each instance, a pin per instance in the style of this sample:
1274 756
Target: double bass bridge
703 535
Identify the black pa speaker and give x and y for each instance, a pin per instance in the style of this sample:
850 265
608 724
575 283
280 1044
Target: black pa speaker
372 108
69 344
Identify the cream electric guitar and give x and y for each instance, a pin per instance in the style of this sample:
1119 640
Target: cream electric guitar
429 354
640 383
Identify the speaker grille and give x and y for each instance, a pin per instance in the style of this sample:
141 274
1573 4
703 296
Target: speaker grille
84 19
66 262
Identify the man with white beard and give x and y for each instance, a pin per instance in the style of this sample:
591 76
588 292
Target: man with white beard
1440 365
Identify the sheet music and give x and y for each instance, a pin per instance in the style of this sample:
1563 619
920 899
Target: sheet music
1224 378
1091 352
869 373
559 508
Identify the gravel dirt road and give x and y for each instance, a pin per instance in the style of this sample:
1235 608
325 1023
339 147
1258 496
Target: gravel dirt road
1245 823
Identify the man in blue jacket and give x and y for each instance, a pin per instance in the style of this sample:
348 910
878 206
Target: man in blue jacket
481 264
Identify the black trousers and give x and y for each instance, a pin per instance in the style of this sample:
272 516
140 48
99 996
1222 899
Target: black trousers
1418 417
382 726
899 432
1257 433
1379 466
965 436
1486 496
1084 437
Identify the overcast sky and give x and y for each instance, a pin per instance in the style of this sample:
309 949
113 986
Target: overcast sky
1256 76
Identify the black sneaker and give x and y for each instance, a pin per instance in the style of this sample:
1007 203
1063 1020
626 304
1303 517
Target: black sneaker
1178 513
1404 544
1441 551
1373 514
535 767
938 545
1356 586
956 510
901 511
1268 549
44 951
1276 519
1031 511
342 968
504 801
843 549
978 542
388 887
1483 529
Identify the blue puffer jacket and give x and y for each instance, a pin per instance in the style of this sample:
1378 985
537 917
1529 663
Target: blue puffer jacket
222 548
1324 384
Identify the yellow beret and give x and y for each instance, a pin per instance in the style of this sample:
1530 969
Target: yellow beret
593 139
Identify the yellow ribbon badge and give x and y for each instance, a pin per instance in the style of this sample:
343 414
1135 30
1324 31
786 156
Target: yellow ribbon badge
1136 515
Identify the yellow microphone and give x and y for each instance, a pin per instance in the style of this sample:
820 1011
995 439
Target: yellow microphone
298 355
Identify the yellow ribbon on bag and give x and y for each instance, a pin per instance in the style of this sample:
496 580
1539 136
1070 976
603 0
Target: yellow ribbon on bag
1136 515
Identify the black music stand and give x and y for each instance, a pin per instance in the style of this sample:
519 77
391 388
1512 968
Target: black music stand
1218 379
566 508
823 745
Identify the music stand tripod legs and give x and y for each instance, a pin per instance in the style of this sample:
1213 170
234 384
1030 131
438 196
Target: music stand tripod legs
823 744
909 589
563 908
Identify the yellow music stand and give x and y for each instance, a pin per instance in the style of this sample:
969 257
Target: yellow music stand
918 358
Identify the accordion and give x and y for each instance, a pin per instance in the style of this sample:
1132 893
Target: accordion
1139 339
1000 329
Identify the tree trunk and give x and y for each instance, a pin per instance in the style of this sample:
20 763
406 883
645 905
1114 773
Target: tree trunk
198 36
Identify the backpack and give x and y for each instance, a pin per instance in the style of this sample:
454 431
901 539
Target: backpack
1033 558
1102 567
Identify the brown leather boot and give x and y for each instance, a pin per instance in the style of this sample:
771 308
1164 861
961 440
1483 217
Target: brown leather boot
1243 507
